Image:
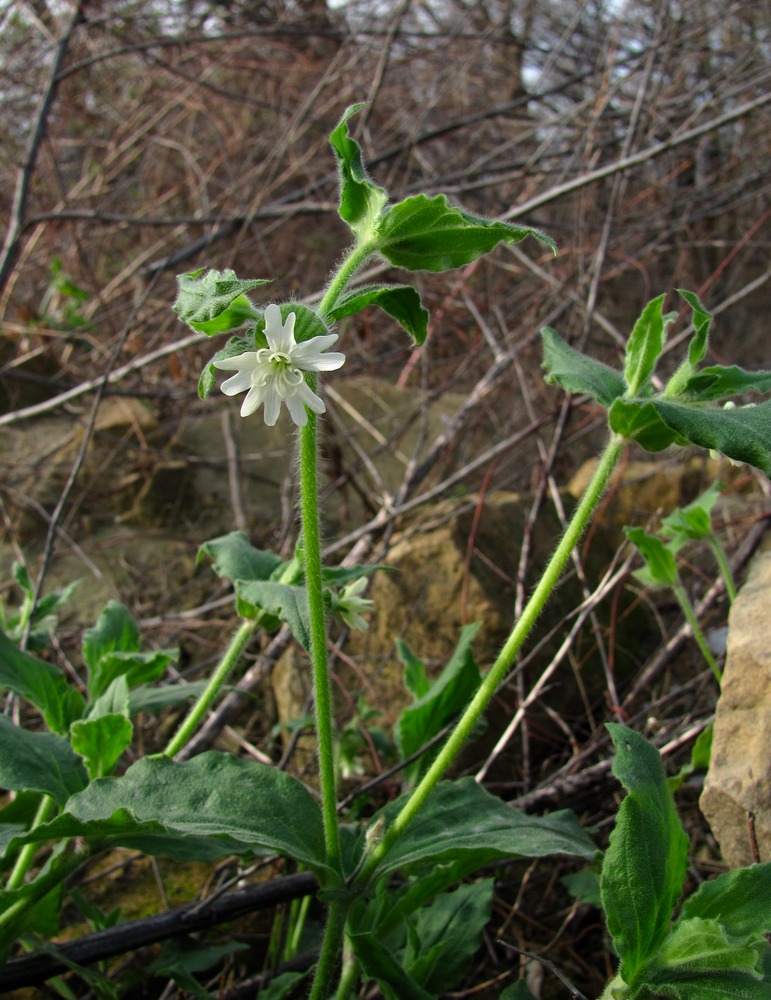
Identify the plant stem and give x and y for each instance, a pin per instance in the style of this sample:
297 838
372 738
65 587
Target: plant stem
318 628
330 950
725 569
34 891
698 635
349 975
45 807
503 664
353 260
227 663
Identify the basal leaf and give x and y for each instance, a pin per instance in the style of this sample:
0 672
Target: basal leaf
430 234
115 631
379 964
39 762
212 795
402 302
715 984
101 741
644 866
743 433
152 699
645 344
137 668
460 820
215 301
41 684
445 698
447 935
740 900
235 558
696 943
576 372
361 201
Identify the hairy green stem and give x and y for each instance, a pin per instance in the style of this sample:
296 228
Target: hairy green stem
698 635
353 260
227 663
331 946
349 975
322 693
45 808
42 885
503 663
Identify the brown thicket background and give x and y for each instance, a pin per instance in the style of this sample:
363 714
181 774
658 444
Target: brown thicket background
144 139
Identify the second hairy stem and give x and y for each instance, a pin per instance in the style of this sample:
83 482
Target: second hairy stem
503 663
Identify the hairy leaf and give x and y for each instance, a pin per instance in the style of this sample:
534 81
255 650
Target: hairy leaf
740 900
40 762
215 301
575 372
361 201
402 302
645 344
40 683
235 558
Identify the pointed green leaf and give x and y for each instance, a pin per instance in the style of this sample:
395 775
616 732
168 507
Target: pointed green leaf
447 935
645 344
415 679
159 805
39 762
715 984
137 668
361 201
461 820
740 900
742 434
697 943
116 631
215 301
40 683
430 234
101 741
720 381
638 420
402 302
697 348
378 963
235 558
644 866
285 602
575 372
114 701
660 567
152 699
692 522
446 698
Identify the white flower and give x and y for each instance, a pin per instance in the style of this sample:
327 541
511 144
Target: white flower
274 374
350 606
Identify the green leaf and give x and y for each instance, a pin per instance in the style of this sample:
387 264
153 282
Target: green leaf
430 234
153 699
730 984
234 347
415 679
361 201
114 701
692 522
216 302
39 762
445 698
645 344
402 302
101 741
447 934
379 964
742 434
517 991
136 668
460 820
115 631
740 900
645 864
638 420
700 756
719 381
584 885
660 567
701 319
214 794
575 372
288 603
40 683
235 558
702 944
282 986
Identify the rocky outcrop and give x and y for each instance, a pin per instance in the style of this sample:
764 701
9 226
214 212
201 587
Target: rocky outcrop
738 785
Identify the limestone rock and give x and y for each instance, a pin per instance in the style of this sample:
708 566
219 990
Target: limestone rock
739 778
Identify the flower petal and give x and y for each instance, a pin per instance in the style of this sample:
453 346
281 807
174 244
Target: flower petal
309 397
252 400
239 382
280 335
238 361
272 403
297 410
